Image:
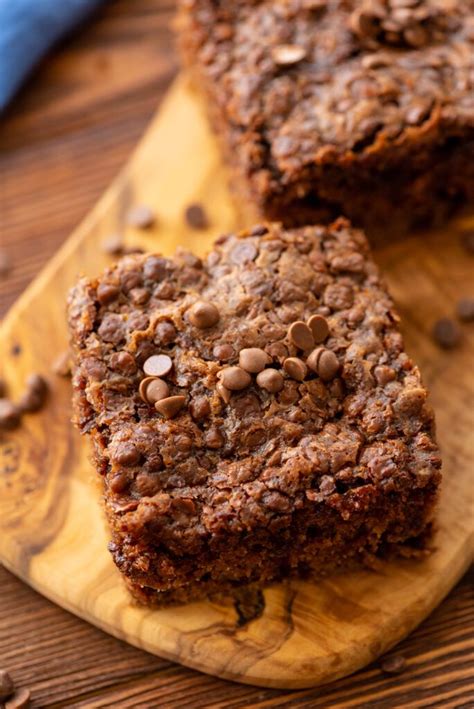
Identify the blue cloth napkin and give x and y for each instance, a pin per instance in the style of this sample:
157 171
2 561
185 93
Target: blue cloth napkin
27 29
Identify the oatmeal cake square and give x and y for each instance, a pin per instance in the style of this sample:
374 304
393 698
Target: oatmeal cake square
329 107
253 416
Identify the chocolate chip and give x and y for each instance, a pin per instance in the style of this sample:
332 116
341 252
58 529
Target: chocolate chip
203 314
467 241
288 54
324 362
5 263
126 454
123 362
244 251
271 380
3 388
223 392
319 327
277 350
393 665
139 296
118 482
62 364
165 333
234 378
384 375
416 36
214 438
301 336
156 390
446 333
196 217
295 368
111 329
253 359
154 268
19 700
223 352
10 413
158 365
35 395
107 292
465 309
170 406
142 387
140 217
6 685
113 245
200 408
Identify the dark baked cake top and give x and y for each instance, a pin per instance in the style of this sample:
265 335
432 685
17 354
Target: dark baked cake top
316 81
345 418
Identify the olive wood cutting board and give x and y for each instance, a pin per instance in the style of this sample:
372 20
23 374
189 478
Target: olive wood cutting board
52 531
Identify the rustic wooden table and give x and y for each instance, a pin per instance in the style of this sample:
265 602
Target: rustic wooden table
63 140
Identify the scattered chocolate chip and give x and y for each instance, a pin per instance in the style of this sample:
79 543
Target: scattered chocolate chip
156 390
467 241
35 395
158 365
5 263
223 352
319 327
295 368
126 454
196 217
271 380
288 54
3 388
6 685
62 364
203 314
234 378
141 217
113 245
223 392
301 336
446 333
107 292
19 700
253 359
16 350
393 665
324 362
465 309
170 406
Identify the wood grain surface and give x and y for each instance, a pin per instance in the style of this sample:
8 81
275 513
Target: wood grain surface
443 683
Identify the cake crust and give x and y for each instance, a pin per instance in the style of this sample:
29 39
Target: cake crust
340 107
287 453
